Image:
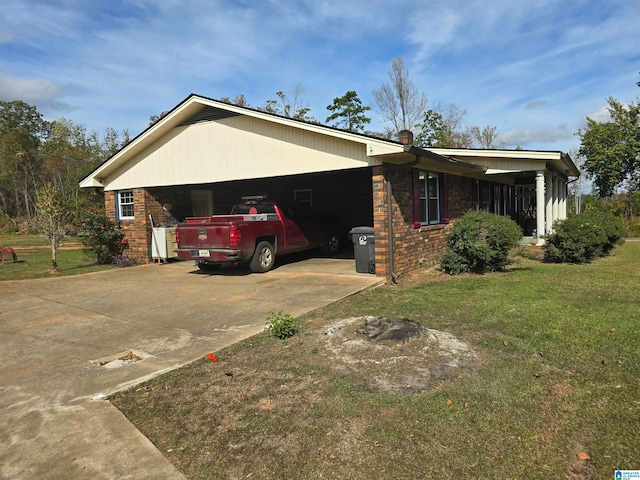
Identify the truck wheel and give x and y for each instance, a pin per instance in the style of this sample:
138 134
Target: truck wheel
205 266
332 244
263 258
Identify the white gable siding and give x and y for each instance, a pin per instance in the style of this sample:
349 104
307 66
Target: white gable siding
235 148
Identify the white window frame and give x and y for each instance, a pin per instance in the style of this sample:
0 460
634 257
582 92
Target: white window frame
125 201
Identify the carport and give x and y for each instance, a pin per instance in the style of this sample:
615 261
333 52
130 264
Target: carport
344 196
205 154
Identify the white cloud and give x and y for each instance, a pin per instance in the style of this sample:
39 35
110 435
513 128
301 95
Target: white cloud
35 91
600 115
535 104
534 137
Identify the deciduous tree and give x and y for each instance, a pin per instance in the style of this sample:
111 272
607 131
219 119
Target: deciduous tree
289 106
22 130
54 218
612 148
399 101
485 138
443 127
239 100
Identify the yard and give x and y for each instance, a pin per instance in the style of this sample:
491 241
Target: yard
546 384
34 258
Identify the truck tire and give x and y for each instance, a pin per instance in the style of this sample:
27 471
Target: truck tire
333 244
263 258
205 266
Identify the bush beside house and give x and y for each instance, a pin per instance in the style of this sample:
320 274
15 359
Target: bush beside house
479 242
583 238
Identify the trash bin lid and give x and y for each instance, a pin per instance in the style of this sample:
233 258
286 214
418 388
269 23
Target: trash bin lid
363 230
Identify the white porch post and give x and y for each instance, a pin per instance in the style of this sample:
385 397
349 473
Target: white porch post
556 197
549 201
540 205
563 196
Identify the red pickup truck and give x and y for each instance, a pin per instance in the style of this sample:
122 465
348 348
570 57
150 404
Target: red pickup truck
256 231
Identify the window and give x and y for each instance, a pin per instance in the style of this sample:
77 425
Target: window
429 188
125 205
303 196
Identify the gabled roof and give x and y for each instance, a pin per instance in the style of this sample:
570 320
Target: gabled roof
196 108
474 162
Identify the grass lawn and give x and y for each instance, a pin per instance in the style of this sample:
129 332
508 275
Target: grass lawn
556 378
34 258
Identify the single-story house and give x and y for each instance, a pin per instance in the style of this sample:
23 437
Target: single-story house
205 154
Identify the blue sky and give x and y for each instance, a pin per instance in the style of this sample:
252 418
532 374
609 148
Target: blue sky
533 69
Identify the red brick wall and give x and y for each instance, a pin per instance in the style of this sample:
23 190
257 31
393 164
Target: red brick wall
412 247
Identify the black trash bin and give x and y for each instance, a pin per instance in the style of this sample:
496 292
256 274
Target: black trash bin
364 249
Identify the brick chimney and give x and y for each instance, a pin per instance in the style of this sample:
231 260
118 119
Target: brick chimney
405 137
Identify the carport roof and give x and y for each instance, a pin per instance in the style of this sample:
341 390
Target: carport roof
471 162
196 108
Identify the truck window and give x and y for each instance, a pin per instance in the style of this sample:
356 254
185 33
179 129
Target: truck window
246 209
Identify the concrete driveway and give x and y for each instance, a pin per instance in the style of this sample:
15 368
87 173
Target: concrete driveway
54 420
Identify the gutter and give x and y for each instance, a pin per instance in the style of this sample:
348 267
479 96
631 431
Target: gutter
419 154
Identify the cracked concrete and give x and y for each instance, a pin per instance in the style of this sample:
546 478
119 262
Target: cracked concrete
54 421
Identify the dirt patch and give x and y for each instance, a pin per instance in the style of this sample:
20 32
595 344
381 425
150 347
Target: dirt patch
382 354
301 405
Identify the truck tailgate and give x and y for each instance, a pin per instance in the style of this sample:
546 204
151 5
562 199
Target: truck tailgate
204 235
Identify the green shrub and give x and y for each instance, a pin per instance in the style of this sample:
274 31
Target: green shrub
479 242
613 227
102 236
584 237
282 325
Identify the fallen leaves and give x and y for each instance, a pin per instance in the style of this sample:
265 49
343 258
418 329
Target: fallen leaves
583 456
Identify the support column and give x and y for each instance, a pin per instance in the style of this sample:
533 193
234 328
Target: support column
548 202
556 197
563 204
540 213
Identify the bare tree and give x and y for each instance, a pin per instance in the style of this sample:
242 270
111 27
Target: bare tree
443 127
290 106
399 101
485 138
54 218
577 187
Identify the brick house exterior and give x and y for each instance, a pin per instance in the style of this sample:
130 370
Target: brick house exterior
411 196
412 247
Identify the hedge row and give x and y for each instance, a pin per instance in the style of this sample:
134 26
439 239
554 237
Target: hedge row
584 237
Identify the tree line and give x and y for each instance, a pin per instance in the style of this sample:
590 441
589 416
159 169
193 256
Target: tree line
36 154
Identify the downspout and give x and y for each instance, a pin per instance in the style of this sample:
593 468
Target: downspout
394 276
389 192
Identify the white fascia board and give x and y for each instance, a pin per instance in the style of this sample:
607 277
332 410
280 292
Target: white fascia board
499 171
375 148
147 137
482 153
194 103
